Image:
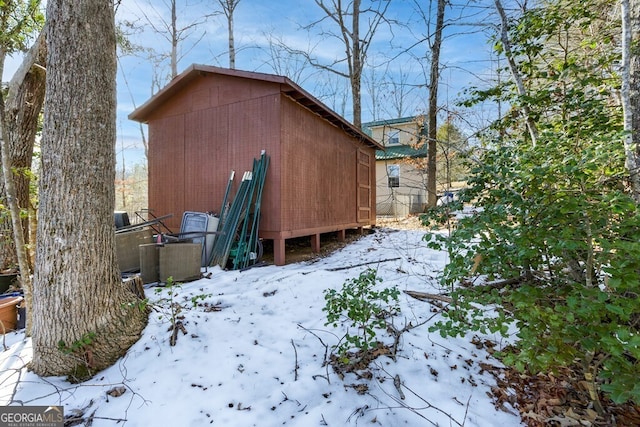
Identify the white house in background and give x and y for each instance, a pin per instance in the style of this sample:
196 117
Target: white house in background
401 176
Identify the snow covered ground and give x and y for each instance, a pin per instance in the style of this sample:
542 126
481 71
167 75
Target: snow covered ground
255 348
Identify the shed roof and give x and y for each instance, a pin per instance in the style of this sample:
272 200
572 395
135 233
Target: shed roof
288 87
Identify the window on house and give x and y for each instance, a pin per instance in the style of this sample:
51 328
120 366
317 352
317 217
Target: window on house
394 137
393 173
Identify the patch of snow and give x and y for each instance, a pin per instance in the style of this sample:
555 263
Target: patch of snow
260 359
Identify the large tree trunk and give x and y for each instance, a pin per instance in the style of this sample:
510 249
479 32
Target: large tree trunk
84 318
432 127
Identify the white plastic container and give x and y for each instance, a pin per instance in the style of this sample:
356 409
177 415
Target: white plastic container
200 222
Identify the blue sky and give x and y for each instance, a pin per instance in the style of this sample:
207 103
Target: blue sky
394 74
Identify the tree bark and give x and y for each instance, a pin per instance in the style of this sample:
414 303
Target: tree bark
232 49
174 40
228 8
631 91
12 202
635 74
84 317
432 126
356 71
25 98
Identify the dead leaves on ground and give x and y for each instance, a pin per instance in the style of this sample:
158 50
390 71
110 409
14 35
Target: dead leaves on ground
558 399
358 362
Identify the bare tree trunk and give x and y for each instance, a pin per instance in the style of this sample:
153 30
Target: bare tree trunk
631 91
357 66
23 107
432 126
506 45
356 44
232 48
12 202
84 317
229 7
635 74
174 33
19 126
174 40
7 246
22 110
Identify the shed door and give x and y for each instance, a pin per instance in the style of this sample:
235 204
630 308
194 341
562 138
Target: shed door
364 186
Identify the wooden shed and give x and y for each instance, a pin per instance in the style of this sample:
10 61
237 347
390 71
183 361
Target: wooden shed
209 121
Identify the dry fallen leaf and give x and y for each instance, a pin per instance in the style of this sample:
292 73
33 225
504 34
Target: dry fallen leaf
116 391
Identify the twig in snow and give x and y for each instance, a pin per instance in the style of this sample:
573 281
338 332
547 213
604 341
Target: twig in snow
436 343
429 405
295 369
78 414
466 411
10 380
359 412
361 264
415 410
325 361
397 333
398 386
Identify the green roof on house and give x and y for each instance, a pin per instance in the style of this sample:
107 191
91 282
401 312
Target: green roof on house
366 127
401 152
393 152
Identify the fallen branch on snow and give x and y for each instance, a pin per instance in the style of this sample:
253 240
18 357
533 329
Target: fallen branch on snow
423 296
361 264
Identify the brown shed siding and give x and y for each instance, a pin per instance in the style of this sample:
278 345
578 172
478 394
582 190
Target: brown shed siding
194 158
166 168
206 158
210 121
251 130
318 178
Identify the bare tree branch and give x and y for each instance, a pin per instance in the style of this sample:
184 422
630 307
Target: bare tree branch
515 73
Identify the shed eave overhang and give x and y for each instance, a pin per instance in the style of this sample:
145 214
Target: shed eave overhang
288 87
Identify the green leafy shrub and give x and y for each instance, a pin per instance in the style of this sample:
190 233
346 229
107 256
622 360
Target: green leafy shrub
366 309
555 224
572 250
